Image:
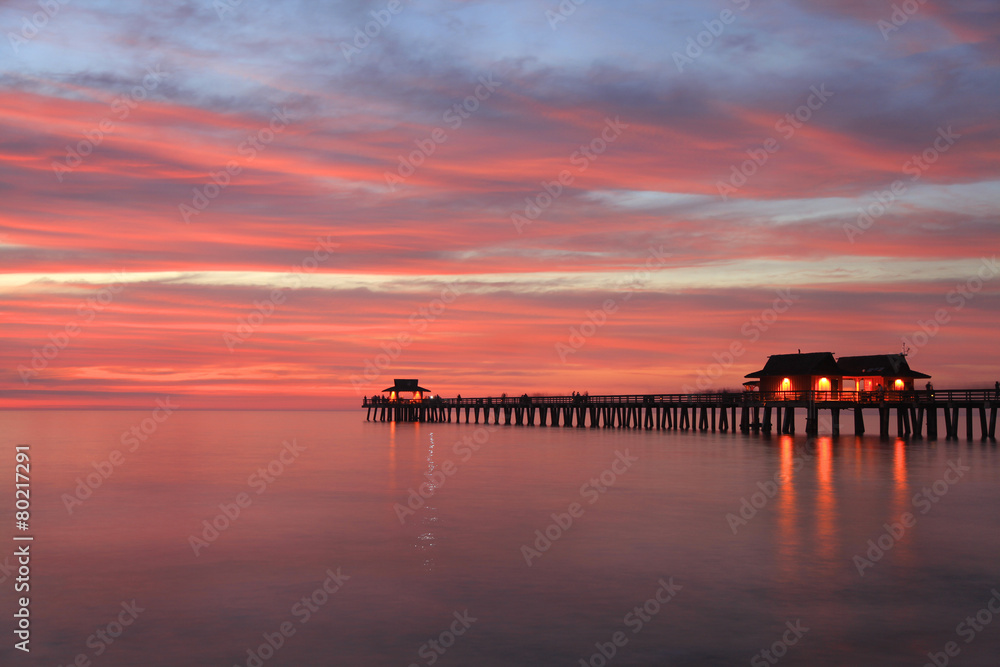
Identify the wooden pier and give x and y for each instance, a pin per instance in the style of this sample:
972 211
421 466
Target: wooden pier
916 412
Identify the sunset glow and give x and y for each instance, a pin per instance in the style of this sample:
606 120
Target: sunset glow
255 208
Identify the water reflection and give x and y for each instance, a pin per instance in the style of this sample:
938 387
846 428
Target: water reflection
789 544
428 517
826 504
392 456
900 486
664 518
900 497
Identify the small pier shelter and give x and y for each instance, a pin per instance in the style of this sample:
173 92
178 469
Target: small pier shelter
406 386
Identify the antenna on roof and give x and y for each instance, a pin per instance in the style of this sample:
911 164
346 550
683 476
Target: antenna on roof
905 351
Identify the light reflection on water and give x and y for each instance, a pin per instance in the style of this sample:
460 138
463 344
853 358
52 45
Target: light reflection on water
335 506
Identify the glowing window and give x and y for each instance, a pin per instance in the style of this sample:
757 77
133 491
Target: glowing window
898 384
786 384
823 384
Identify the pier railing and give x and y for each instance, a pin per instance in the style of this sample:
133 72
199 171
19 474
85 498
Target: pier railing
710 399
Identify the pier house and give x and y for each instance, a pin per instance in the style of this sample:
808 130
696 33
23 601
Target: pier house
821 373
867 373
812 371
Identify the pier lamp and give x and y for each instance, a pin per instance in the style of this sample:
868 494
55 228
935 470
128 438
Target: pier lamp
786 384
898 385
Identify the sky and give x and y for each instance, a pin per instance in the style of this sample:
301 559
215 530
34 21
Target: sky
287 204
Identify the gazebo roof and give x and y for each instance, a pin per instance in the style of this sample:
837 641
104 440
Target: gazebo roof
405 385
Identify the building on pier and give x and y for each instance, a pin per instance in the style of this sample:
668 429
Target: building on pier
868 372
812 371
406 386
821 372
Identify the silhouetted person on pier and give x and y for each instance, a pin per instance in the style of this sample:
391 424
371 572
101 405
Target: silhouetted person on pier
996 387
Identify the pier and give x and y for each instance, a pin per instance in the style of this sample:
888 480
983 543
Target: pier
915 412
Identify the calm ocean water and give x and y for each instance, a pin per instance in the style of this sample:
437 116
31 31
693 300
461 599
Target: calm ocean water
652 548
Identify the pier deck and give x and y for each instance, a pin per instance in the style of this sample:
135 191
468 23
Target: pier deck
915 411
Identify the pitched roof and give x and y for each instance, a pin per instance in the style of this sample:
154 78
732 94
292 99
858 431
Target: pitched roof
405 385
810 363
878 365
